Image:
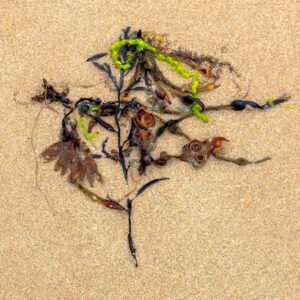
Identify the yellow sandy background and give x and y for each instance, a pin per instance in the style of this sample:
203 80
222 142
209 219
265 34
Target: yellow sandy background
222 232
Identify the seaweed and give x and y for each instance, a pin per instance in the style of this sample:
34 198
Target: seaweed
149 184
72 155
96 56
130 240
133 67
50 94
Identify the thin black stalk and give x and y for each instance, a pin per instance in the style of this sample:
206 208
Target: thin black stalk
117 119
130 240
107 155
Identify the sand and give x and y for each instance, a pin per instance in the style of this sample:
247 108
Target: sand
222 232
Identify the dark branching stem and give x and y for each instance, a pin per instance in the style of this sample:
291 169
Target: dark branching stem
107 155
130 240
118 112
117 119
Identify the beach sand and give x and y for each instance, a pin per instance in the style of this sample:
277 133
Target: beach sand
221 232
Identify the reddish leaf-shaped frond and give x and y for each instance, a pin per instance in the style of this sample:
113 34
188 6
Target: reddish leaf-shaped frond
74 157
90 167
77 170
54 151
91 170
66 158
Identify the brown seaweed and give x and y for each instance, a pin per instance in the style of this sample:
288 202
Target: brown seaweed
49 93
72 155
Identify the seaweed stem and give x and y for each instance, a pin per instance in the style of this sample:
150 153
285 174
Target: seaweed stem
130 240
